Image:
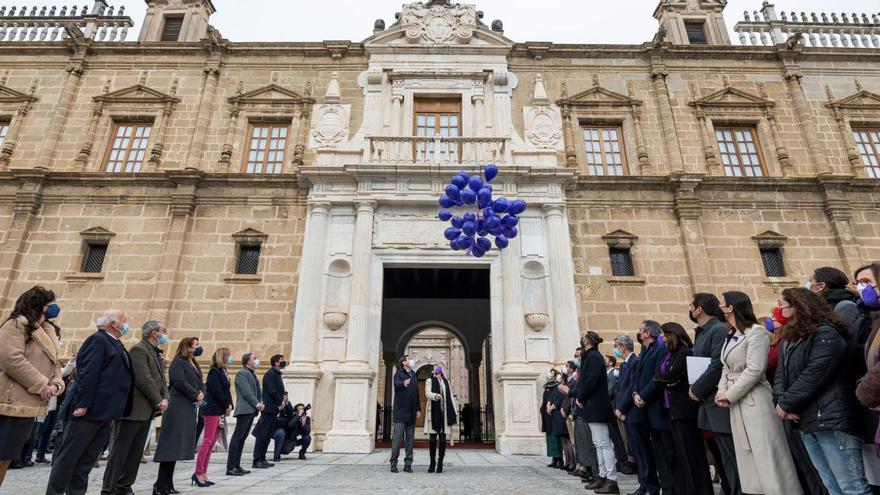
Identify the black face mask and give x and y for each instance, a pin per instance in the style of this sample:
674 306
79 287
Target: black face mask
639 337
691 316
283 364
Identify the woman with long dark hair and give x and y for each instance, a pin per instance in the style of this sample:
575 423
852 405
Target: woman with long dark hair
671 376
441 416
757 432
812 389
218 403
30 373
554 448
178 439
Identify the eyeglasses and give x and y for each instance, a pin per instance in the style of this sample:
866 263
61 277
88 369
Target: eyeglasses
785 307
865 281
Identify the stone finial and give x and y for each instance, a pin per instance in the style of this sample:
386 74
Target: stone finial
595 80
142 79
3 77
174 84
829 93
762 91
540 94
563 90
273 78
239 89
308 90
333 94
498 26
859 86
725 79
379 25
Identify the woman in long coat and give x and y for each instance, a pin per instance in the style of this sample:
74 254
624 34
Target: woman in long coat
441 415
554 448
177 441
765 465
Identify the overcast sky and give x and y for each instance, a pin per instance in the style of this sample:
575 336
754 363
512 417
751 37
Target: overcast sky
560 21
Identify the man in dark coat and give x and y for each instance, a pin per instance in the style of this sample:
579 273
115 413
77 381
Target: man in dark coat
103 393
150 397
710 335
407 408
293 428
273 400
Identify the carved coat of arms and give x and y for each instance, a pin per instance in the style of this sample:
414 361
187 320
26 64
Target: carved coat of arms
439 22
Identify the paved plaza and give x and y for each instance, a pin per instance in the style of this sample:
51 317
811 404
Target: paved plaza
465 471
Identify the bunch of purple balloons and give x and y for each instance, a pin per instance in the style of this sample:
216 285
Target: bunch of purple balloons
485 217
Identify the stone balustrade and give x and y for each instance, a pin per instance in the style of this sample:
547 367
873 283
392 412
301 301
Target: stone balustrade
767 28
465 151
100 23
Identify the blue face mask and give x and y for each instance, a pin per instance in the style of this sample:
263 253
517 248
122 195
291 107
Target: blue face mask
617 353
256 363
124 329
52 311
163 339
198 351
229 360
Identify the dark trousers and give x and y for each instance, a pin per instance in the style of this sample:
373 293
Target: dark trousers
690 453
712 445
82 444
640 447
728 459
243 423
403 432
811 483
126 452
619 446
263 434
165 479
285 444
664 447
44 434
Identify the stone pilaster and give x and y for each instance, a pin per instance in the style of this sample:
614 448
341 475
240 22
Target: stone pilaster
667 119
806 121
28 200
838 208
687 210
203 116
75 69
565 325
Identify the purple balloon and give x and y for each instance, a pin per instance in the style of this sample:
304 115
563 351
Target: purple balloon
484 244
488 212
493 223
491 171
500 205
510 233
477 252
470 216
446 201
469 228
463 174
501 242
465 242
484 194
495 232
482 233
516 207
451 233
510 221
481 225
459 181
444 215
453 191
459 203
454 244
481 203
468 197
457 222
475 183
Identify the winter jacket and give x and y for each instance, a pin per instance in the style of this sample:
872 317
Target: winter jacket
26 367
593 392
675 382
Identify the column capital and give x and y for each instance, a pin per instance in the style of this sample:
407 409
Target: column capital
320 207
553 209
365 205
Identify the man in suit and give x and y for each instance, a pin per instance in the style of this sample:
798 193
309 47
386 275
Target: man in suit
273 399
150 397
711 334
634 417
103 393
249 404
407 408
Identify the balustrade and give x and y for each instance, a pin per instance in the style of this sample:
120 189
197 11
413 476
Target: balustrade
466 151
100 23
767 28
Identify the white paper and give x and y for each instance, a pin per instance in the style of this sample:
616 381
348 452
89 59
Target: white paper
696 366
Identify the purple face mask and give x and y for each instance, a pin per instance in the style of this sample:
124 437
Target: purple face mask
870 297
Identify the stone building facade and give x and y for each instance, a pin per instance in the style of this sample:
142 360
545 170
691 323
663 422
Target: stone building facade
252 194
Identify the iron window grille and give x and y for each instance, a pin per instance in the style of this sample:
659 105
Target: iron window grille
93 258
621 263
773 262
248 260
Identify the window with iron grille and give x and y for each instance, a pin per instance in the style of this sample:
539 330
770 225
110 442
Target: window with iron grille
173 26
868 142
773 263
696 33
621 263
93 258
248 260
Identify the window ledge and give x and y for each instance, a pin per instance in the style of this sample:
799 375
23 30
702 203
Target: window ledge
243 279
782 282
626 280
83 277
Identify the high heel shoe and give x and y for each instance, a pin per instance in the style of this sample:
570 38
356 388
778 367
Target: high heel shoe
196 482
157 491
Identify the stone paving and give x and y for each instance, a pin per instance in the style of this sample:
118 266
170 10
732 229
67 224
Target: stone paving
465 471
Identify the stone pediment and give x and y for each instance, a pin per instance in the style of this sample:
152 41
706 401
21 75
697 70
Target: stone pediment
97 234
863 100
620 239
597 96
9 95
138 93
732 97
770 239
271 94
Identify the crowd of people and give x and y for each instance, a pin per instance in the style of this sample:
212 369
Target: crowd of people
782 405
109 398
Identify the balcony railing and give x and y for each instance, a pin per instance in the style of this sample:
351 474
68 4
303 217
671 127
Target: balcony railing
465 151
51 24
767 28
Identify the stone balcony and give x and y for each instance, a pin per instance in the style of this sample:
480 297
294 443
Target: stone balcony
767 28
100 23
464 151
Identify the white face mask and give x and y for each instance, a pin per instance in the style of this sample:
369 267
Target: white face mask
808 285
411 363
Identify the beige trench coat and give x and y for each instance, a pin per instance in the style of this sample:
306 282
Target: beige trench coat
429 395
762 455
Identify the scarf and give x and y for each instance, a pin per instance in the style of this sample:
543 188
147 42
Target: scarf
446 394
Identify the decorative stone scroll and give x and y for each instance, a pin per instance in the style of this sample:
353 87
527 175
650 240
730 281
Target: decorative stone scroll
439 22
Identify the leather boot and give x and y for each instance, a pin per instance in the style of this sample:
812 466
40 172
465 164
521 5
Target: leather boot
442 455
610 488
432 450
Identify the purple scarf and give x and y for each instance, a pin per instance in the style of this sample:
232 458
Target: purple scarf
664 367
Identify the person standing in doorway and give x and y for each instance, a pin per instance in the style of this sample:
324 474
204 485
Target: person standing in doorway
249 404
407 409
440 417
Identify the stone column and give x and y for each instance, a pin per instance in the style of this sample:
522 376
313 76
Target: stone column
203 116
85 151
806 121
52 134
667 119
851 147
687 210
28 199
565 325
781 151
514 343
357 349
838 208
571 137
708 145
15 127
641 148
160 130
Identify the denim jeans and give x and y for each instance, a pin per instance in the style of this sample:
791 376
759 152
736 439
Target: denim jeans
838 460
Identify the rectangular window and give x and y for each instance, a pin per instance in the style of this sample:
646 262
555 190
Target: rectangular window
437 118
621 263
248 260
696 33
740 153
171 29
868 142
266 149
604 150
128 147
93 258
4 129
773 263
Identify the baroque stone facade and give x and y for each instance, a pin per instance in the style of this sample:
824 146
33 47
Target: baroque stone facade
353 186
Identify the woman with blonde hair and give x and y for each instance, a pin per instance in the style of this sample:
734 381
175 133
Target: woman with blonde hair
218 403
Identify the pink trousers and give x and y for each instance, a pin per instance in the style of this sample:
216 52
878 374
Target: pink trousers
212 429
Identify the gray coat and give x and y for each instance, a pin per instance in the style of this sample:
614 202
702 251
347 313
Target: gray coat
177 440
149 381
710 341
247 391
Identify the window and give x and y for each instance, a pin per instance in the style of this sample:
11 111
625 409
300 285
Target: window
266 152
621 263
171 29
128 147
604 151
248 260
739 151
696 33
93 258
868 142
437 118
773 264
4 129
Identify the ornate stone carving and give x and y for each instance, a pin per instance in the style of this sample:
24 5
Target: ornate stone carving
537 321
335 319
330 125
543 126
439 22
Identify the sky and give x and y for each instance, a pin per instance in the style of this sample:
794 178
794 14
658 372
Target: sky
559 21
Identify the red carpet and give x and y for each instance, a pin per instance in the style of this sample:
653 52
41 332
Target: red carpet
423 444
